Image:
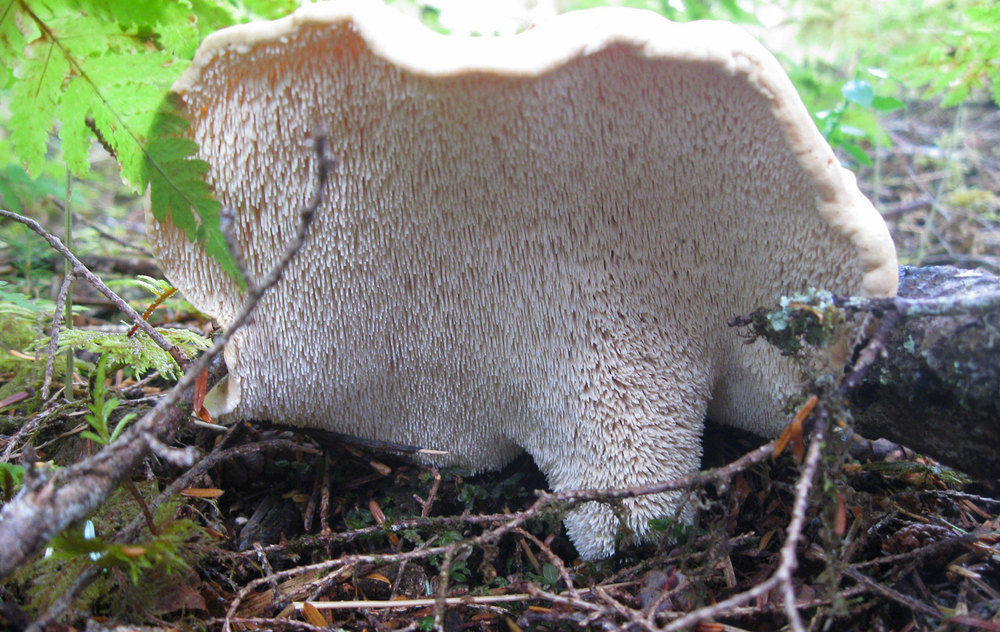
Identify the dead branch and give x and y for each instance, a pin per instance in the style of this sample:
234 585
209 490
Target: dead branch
939 358
82 271
782 577
50 501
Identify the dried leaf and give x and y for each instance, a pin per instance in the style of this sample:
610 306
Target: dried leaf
201 492
313 616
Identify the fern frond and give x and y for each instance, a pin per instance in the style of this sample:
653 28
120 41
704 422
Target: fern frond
138 351
104 66
15 33
34 99
178 190
74 135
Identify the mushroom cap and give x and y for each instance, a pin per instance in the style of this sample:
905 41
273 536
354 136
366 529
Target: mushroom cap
533 242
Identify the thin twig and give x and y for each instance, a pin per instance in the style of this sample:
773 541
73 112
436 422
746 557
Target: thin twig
103 233
549 503
503 523
83 272
789 560
265 565
469 600
27 429
57 317
51 501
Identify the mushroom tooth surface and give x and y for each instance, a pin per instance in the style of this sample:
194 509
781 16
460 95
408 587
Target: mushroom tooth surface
532 243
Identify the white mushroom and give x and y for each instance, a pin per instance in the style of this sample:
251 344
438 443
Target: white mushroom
534 242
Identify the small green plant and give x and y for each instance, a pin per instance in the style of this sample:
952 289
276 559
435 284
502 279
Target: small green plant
135 349
138 351
470 494
549 577
459 571
21 319
961 56
857 94
166 550
101 409
11 477
358 519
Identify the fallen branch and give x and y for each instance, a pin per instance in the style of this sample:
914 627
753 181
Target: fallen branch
941 360
50 501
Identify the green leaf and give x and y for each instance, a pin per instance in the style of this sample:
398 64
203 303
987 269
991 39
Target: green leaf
856 153
550 573
137 351
11 477
80 35
130 69
74 135
121 425
15 32
34 98
86 434
858 91
178 191
887 104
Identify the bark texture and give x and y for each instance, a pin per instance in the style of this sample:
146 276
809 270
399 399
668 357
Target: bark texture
938 391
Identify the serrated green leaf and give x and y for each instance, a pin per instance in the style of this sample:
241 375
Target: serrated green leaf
168 24
132 68
15 33
120 140
34 98
178 191
81 35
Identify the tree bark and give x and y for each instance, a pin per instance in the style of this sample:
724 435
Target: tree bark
938 389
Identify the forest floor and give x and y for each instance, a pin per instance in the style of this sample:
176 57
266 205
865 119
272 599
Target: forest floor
368 539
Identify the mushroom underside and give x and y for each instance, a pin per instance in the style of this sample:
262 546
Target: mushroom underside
541 261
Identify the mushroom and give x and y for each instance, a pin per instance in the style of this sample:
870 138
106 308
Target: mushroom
533 243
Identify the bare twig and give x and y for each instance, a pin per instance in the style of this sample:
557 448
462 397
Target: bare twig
468 600
270 624
105 234
894 595
555 560
425 505
51 501
26 430
83 272
502 524
50 361
265 565
789 561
